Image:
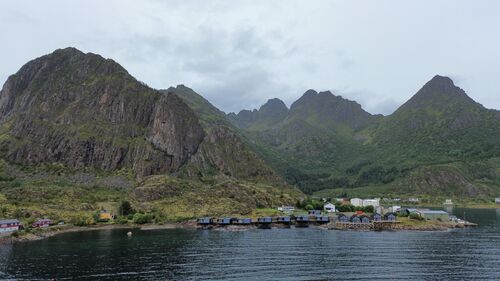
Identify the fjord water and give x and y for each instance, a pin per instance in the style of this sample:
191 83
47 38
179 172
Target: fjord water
275 254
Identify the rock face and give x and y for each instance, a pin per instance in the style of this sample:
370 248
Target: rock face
223 148
268 115
86 111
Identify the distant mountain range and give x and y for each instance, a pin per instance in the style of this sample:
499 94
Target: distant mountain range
70 119
439 142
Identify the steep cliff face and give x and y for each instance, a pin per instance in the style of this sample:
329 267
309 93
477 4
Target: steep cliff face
223 149
86 111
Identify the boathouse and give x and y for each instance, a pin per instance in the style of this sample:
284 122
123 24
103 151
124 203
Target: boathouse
322 219
342 218
244 221
302 219
224 221
314 212
390 217
41 223
9 225
265 220
283 219
205 221
355 219
377 217
365 219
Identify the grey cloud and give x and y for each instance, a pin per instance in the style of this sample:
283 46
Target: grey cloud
238 54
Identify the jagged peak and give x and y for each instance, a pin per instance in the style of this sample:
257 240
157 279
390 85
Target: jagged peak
274 103
442 83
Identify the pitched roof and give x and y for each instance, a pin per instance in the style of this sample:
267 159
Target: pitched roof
9 221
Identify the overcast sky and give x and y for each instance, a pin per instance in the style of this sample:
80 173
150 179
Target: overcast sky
238 54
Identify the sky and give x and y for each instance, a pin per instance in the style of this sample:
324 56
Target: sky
239 54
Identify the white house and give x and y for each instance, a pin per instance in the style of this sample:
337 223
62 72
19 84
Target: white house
497 200
9 225
357 202
395 208
329 208
371 202
286 209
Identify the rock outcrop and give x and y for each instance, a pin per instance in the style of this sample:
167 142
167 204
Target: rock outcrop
86 111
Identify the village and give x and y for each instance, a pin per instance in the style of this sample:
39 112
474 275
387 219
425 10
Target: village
353 214
343 214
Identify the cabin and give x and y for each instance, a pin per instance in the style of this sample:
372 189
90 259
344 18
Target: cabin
9 225
329 208
224 221
105 215
322 219
265 220
342 218
365 219
244 221
377 217
355 219
390 217
435 215
302 219
41 223
284 219
205 221
314 212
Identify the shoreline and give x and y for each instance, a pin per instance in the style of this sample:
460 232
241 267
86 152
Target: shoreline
41 234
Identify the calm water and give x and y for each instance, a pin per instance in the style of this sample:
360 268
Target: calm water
276 254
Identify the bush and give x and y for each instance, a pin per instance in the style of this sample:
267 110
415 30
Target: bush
125 209
140 218
415 216
81 221
122 220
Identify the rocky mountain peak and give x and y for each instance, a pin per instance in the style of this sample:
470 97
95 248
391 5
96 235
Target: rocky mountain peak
439 93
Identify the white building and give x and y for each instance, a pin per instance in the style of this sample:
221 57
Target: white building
357 202
497 200
9 225
286 209
329 208
394 208
371 202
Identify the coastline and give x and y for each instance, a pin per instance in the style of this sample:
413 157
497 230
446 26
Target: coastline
41 234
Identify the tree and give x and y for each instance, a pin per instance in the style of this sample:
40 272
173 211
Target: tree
125 208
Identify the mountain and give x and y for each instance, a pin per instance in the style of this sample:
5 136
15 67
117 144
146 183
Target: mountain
440 123
272 112
82 110
77 130
440 142
313 142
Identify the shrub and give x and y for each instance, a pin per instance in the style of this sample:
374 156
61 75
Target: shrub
415 216
81 221
140 218
125 208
